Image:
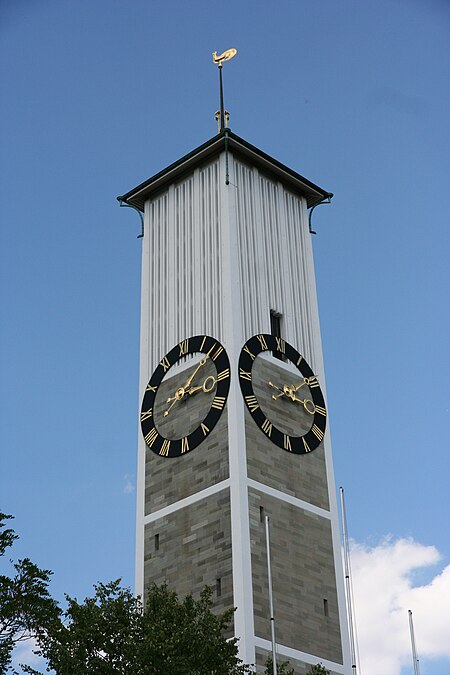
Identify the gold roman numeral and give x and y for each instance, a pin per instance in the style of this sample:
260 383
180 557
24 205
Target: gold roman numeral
151 437
165 448
281 345
184 347
218 351
312 382
287 442
244 375
224 374
320 410
204 429
165 363
203 342
267 427
300 359
305 445
184 444
252 356
318 433
262 341
218 402
145 415
252 403
150 388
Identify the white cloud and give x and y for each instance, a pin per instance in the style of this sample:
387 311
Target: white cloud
128 487
24 653
384 592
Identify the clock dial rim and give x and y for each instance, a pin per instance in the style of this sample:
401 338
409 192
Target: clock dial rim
306 443
198 344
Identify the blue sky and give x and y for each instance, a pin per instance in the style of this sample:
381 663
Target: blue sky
97 97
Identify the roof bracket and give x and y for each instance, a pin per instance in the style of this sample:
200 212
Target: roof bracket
130 206
326 200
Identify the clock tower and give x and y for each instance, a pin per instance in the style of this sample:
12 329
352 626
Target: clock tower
233 411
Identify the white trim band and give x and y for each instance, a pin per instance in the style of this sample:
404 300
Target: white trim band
299 656
187 501
299 503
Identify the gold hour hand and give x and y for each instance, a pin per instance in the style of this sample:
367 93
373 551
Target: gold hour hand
306 403
302 383
207 386
309 381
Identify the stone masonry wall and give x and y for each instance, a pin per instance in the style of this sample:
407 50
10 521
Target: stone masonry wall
303 577
302 476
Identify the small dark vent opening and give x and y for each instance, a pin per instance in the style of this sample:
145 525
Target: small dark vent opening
275 330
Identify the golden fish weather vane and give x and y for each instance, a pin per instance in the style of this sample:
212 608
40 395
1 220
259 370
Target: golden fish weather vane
219 59
225 56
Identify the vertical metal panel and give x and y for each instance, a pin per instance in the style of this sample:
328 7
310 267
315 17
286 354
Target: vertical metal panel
273 255
185 272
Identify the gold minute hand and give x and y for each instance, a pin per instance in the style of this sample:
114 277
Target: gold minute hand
305 381
188 383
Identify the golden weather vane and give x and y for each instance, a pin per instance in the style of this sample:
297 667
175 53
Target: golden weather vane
226 56
219 59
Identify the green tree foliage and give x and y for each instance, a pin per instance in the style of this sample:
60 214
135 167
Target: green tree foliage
318 670
285 669
25 603
282 668
111 633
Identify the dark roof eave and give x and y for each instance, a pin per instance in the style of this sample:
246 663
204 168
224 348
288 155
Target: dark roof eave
139 195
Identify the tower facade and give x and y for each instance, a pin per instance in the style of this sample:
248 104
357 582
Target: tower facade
233 407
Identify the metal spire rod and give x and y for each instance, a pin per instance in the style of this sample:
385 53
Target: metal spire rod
413 644
347 583
225 56
272 618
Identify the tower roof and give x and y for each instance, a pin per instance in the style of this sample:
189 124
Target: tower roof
225 140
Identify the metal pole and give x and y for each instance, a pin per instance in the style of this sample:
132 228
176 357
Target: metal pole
272 618
222 109
347 583
413 644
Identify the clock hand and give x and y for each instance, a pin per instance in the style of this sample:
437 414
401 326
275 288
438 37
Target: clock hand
204 387
283 392
182 391
307 404
174 400
305 381
289 391
188 383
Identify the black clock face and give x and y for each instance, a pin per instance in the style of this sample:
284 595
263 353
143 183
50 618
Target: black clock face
288 407
180 410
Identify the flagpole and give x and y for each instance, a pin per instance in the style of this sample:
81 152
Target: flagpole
347 583
272 618
413 644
